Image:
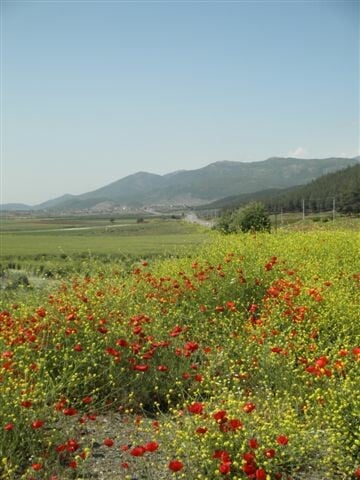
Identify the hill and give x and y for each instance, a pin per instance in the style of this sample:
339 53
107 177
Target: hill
203 185
342 186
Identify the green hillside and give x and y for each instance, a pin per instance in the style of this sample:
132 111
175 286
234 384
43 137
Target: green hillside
341 187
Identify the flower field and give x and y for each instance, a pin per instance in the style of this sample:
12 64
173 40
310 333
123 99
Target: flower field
238 361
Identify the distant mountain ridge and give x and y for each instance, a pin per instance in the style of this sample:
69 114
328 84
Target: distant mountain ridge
340 188
200 186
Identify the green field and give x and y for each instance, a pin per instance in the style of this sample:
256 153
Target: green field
36 250
24 238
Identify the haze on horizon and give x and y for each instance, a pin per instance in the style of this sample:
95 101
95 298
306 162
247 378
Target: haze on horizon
94 91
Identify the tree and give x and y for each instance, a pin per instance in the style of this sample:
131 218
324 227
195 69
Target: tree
252 218
224 223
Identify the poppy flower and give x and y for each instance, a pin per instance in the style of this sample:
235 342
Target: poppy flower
235 424
137 451
70 411
260 474
141 368
223 455
201 430
249 457
196 408
249 407
253 443
175 331
220 416
269 453
282 440
175 465
87 400
108 442
225 468
72 445
36 466
151 446
37 424
191 346
321 362
249 469
9 426
162 368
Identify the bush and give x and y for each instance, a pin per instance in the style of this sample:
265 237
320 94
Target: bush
252 218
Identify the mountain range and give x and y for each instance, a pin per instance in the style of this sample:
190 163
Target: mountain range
196 187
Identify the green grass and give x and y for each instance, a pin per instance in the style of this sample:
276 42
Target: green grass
25 245
98 237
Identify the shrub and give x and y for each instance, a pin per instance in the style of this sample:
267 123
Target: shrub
252 218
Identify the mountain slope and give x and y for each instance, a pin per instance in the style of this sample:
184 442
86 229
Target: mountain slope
217 180
203 185
342 186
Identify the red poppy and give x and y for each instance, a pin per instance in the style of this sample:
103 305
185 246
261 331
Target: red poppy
175 331
225 468
72 445
191 346
141 368
235 424
249 469
137 451
9 426
321 362
151 446
70 411
253 443
249 457
260 474
223 455
37 424
87 400
220 416
176 465
201 430
269 453
36 466
282 440
108 442
162 368
196 408
249 407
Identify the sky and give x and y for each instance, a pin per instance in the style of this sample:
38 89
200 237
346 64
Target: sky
93 91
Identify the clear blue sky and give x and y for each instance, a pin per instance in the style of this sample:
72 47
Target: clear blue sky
95 91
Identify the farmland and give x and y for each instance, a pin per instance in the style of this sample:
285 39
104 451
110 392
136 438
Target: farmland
224 357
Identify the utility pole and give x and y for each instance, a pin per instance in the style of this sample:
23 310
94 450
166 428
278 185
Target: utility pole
281 216
303 209
334 208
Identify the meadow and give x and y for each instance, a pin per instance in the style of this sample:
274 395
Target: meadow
43 249
236 357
